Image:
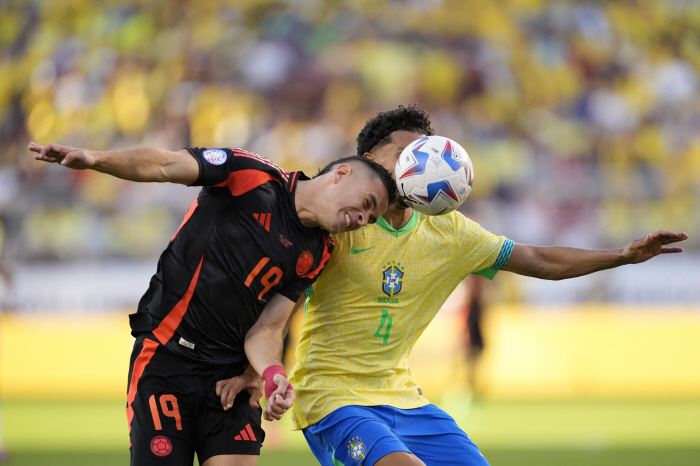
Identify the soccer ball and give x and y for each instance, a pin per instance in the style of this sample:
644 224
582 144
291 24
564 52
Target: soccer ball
434 175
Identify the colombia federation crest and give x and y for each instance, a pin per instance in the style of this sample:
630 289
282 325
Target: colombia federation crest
392 279
357 449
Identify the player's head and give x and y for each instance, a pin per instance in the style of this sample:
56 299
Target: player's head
359 191
386 134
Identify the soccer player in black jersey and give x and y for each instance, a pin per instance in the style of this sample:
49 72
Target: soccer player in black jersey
252 241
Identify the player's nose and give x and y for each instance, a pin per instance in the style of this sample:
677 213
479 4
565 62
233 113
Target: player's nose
362 218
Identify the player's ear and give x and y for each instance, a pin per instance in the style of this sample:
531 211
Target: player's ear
341 172
369 156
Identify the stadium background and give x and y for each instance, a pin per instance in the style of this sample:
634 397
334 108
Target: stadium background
583 123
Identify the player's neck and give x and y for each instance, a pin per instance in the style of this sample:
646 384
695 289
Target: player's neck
304 203
397 216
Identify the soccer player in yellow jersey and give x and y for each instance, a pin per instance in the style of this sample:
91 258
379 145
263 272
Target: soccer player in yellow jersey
355 400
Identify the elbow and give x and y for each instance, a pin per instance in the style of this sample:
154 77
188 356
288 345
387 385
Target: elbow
249 338
161 174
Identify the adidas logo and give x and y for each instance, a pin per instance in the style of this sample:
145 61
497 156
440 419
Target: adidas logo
246 434
264 220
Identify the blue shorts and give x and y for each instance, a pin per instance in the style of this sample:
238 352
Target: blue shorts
362 435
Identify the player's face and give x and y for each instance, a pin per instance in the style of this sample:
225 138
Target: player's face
388 155
358 198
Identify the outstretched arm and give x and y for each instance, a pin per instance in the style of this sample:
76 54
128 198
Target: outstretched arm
135 164
558 262
263 348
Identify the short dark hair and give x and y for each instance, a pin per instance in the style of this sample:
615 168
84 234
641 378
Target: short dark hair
381 172
378 128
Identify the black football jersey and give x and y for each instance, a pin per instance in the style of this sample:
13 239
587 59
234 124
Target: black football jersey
240 243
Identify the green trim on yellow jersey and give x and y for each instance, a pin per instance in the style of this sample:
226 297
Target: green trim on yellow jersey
501 260
412 222
487 273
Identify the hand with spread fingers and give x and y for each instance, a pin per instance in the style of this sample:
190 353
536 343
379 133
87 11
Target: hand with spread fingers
643 249
71 157
228 389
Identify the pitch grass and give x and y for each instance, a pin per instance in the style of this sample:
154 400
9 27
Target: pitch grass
78 433
660 457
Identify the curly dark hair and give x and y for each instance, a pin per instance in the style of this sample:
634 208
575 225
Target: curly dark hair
381 172
378 128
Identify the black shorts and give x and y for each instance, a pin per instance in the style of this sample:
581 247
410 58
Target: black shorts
173 410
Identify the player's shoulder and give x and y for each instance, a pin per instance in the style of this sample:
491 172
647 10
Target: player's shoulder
348 237
224 167
367 235
452 220
259 162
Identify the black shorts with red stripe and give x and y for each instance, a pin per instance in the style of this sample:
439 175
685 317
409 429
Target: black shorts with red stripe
174 411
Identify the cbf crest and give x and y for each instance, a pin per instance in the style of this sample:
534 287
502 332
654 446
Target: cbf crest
392 279
357 449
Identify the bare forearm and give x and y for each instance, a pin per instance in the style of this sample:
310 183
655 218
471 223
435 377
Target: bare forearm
263 342
136 164
560 262
145 164
263 348
565 262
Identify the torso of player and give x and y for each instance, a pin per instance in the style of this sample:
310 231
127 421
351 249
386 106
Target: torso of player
236 252
379 291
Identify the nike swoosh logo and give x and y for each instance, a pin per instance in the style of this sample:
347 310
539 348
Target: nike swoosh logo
357 251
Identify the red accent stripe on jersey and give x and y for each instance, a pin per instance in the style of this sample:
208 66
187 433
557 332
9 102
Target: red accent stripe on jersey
187 217
237 437
242 181
324 259
257 216
291 183
251 155
167 327
267 222
244 435
144 357
250 432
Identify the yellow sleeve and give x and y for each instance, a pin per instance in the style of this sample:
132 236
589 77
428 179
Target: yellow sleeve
482 252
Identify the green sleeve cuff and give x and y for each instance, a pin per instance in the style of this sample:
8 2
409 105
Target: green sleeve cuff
486 273
501 260
309 291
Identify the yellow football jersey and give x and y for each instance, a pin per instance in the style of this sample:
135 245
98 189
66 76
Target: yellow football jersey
378 292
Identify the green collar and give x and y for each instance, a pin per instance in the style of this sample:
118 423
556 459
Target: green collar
412 222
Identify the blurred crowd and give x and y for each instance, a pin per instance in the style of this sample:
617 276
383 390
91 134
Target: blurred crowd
582 118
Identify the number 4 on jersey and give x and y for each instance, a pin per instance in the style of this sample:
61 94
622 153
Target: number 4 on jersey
386 320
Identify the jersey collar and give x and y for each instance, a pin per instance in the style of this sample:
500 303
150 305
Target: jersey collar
381 223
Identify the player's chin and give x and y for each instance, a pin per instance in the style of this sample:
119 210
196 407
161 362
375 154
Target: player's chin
340 226
352 227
